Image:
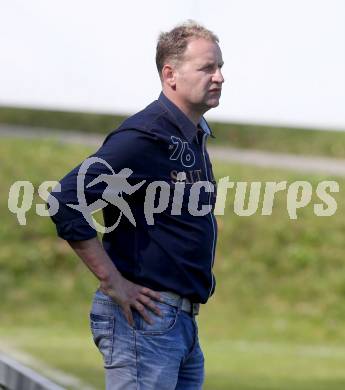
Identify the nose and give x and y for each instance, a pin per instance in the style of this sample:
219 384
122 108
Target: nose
218 76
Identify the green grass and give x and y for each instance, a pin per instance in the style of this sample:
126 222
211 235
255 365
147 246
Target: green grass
275 322
247 136
64 120
281 139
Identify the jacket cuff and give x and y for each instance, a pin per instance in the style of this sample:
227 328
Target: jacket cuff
75 230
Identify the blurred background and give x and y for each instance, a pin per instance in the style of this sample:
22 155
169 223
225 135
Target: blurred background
71 71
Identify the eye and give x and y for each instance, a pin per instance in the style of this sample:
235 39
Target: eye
208 68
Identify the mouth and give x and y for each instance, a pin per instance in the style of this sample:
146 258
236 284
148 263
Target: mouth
215 90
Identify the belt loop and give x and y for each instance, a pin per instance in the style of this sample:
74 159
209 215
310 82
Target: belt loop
195 308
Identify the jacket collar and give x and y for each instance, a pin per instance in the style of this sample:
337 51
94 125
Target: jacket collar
185 125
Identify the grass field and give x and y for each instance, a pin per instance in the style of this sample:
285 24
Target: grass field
275 322
239 135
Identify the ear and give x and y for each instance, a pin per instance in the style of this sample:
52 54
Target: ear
168 76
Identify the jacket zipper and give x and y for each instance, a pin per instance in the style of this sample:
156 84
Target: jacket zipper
210 214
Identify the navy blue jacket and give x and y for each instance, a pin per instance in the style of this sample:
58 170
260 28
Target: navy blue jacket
176 253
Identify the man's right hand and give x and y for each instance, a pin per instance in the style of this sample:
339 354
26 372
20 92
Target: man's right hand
130 295
125 293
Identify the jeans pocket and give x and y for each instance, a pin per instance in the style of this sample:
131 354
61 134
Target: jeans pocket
102 328
160 324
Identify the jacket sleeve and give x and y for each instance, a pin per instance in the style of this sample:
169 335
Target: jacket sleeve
123 149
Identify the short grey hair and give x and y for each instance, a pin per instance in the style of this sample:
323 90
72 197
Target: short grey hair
171 45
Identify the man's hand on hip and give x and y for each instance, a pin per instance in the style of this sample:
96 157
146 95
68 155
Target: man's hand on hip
125 293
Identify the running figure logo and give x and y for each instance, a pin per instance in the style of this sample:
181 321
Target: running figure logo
117 184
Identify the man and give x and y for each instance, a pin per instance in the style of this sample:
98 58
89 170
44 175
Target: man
153 274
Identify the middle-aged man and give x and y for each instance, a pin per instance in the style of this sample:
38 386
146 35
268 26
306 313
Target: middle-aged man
155 264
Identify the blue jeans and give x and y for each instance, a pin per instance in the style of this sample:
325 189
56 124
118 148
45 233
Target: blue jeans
162 356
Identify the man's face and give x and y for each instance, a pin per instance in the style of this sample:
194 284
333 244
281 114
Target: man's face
198 76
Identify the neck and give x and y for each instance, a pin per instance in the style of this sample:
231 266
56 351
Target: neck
191 114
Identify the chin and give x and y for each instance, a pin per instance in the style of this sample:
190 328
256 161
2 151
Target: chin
213 104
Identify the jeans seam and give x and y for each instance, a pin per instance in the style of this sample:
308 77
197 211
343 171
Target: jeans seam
136 361
112 341
194 340
104 302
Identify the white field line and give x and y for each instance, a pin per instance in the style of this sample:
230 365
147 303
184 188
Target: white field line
64 136
299 163
319 165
